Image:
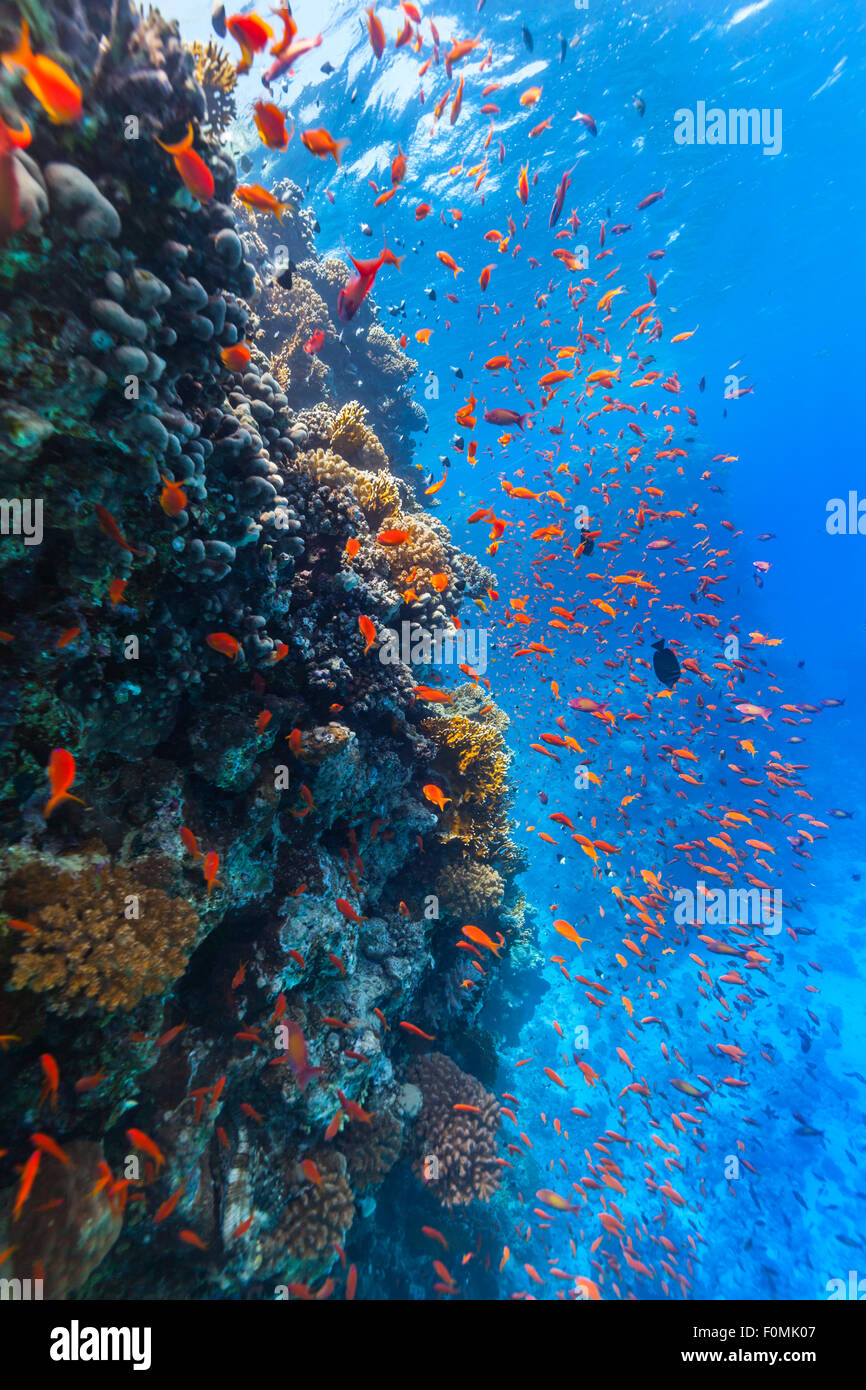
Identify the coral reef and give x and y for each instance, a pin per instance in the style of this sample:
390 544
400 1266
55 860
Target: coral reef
455 1149
240 880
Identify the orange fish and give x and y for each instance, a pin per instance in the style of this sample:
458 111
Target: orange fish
223 642
210 868
236 357
139 1140
257 199
61 775
434 794
368 631
353 545
321 143
393 537
196 176
448 261
271 125
31 1168
432 696
53 88
297 1056
376 32
172 499
115 591
482 939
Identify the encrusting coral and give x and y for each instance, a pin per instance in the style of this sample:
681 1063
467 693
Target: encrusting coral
455 1149
101 939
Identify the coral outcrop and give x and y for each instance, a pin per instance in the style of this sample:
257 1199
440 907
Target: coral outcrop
455 1149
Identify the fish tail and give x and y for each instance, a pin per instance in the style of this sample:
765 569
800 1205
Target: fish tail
339 146
56 800
181 145
22 56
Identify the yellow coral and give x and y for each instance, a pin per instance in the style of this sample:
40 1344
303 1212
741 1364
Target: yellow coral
353 438
470 889
216 75
477 751
376 493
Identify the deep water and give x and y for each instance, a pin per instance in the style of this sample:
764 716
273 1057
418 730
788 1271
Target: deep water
765 1156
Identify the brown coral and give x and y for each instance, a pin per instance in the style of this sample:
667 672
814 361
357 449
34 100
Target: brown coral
317 1216
85 951
372 1149
456 1149
470 889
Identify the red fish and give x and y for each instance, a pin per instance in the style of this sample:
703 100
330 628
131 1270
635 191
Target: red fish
223 642
315 342
53 88
210 868
109 526
297 1056
197 177
61 775
353 294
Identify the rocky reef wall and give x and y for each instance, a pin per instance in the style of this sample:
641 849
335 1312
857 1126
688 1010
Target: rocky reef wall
207 961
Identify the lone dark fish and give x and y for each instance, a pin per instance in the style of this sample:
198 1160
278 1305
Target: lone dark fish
665 664
527 38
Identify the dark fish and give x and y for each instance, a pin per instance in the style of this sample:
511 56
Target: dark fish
527 38
327 68
665 664
639 104
458 372
702 383
563 48
218 18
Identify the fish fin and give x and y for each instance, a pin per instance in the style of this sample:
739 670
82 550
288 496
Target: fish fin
181 145
22 56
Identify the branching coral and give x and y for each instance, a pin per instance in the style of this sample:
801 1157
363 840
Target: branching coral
353 438
102 939
474 754
456 1149
215 74
304 312
470 889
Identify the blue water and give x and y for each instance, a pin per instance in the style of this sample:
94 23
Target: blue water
763 257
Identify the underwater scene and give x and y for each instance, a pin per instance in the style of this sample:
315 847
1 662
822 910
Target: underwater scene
432 652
